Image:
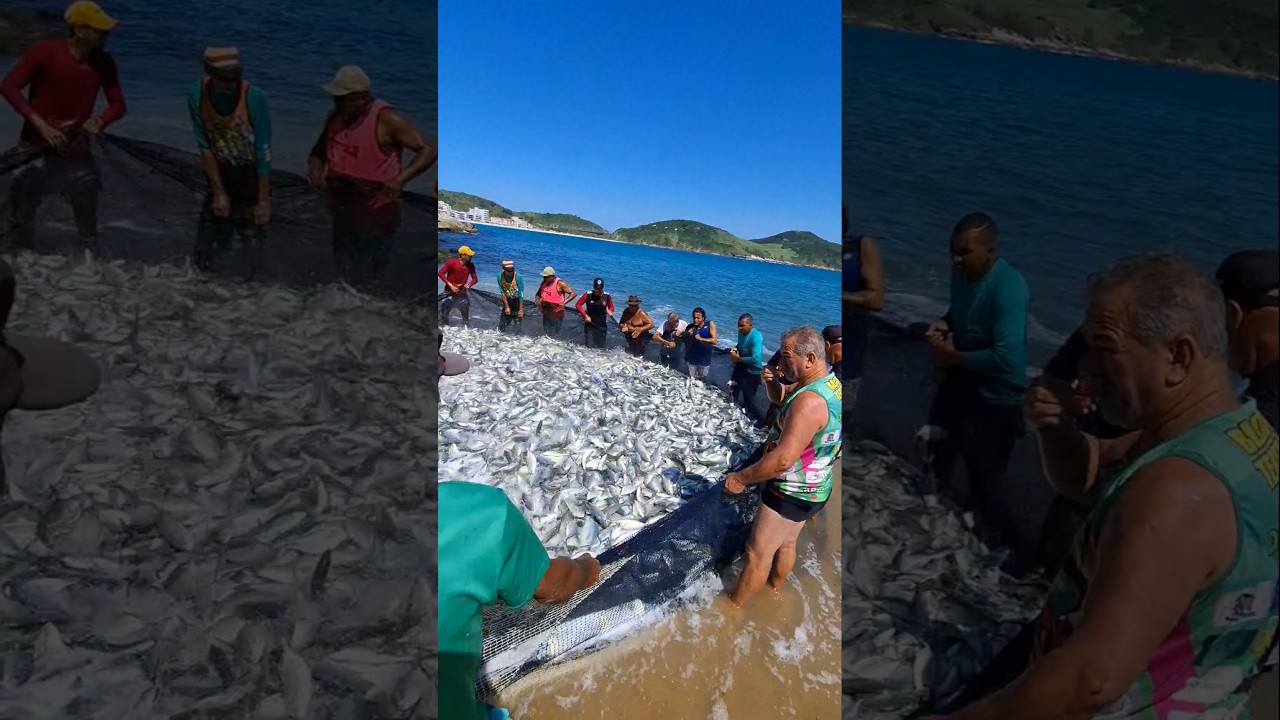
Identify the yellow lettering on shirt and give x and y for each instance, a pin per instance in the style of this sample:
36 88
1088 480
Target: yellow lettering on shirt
1251 434
1273 542
833 384
1268 465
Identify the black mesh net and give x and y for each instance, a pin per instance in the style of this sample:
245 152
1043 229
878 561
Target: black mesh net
638 577
149 203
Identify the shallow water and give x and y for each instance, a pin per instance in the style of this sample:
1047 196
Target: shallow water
778 657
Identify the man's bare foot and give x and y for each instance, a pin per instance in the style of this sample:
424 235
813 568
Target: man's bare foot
776 585
727 607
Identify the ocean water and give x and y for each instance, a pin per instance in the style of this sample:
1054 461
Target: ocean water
288 47
1078 160
778 297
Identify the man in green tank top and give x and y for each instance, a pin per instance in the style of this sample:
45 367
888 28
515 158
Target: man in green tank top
1166 607
796 462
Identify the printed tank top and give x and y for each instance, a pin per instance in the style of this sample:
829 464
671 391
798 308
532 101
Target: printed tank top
810 478
230 136
1205 666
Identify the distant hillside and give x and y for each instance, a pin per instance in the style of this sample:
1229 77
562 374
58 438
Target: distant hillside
1229 35
700 237
806 248
559 222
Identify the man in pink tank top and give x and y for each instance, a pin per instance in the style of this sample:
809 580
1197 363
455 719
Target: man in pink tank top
358 158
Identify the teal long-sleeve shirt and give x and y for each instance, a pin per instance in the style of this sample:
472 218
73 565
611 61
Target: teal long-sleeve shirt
224 104
751 350
988 321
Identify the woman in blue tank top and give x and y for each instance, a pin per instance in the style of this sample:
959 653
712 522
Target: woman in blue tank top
701 335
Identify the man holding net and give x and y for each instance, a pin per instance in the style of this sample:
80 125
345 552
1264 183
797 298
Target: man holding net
488 553
358 158
232 126
796 465
65 76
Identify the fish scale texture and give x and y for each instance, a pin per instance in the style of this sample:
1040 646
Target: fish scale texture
239 524
925 604
561 427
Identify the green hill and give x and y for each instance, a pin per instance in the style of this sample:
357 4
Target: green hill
465 201
1232 35
562 222
805 248
792 247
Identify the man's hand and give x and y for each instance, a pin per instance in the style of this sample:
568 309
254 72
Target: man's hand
733 483
93 126
220 204
733 353
592 568
315 173
451 288
943 351
1051 403
586 320
262 212
54 137
520 311
767 374
937 328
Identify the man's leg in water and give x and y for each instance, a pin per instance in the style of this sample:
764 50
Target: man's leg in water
785 558
344 247
84 185
26 195
768 533
212 234
374 252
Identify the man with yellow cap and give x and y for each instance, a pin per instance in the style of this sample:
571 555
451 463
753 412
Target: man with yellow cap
458 275
65 76
358 158
232 126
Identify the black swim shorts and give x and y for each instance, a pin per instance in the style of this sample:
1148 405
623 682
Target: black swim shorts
791 508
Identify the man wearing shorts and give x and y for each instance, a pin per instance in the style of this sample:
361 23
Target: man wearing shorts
459 276
796 467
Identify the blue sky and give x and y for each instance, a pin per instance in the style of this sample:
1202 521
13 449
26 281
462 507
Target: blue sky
632 112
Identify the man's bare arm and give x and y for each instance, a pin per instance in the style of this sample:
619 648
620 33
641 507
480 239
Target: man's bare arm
807 416
871 296
1171 533
403 133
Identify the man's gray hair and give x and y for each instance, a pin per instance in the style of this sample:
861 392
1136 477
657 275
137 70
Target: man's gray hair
1166 296
673 316
807 340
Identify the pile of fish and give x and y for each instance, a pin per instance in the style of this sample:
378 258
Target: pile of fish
926 605
592 447
238 523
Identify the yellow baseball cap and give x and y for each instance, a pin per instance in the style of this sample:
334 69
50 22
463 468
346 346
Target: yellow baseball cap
89 14
464 250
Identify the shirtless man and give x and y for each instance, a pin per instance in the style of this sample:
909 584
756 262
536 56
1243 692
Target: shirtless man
358 158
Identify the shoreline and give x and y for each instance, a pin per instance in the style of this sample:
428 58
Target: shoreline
1009 39
662 247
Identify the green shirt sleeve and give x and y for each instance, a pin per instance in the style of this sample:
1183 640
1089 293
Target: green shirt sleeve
260 117
755 349
525 560
1007 355
520 286
197 120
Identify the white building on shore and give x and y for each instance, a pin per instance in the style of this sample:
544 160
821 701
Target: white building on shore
480 215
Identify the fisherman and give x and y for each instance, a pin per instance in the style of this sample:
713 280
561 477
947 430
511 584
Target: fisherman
595 315
511 287
488 554
65 77
863 279
459 276
669 337
833 336
553 295
232 126
699 337
636 326
1166 604
358 157
748 362
796 465
37 373
980 346
1250 282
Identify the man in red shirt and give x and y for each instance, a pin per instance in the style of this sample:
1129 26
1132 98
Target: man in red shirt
459 275
65 77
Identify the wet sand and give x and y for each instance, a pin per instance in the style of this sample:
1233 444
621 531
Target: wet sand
778 657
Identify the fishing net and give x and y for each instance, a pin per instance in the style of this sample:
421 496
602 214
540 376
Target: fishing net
640 576
149 207
486 312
